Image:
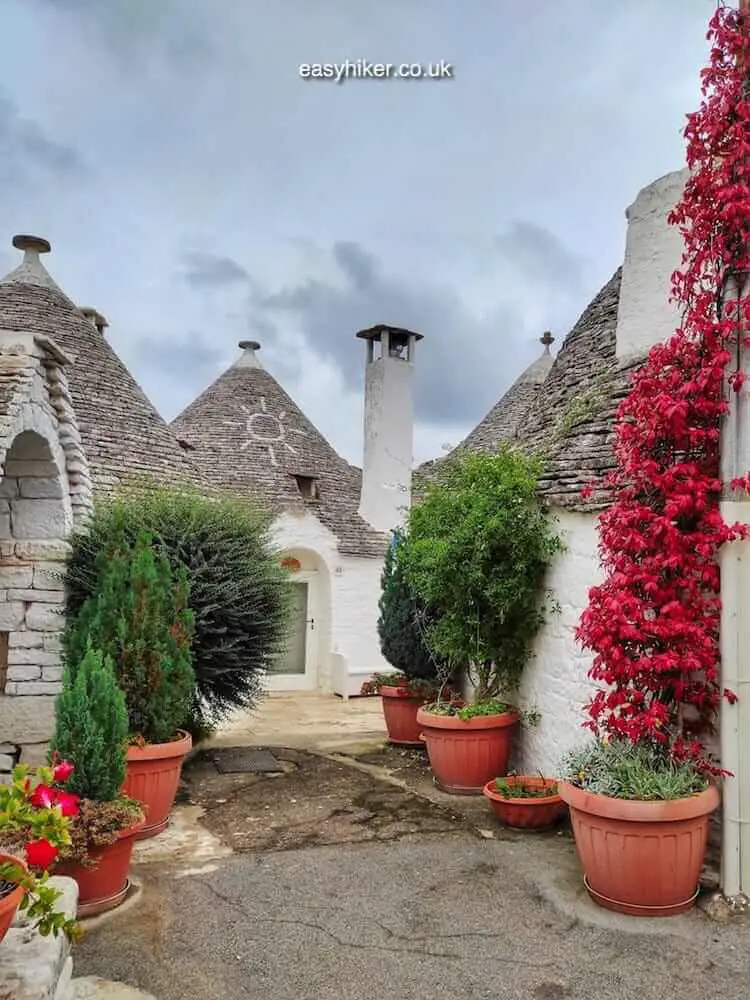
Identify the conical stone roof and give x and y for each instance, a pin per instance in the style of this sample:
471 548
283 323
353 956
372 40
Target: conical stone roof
572 423
248 436
124 438
503 421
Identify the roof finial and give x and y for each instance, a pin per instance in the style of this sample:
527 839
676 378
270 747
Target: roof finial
249 345
546 339
31 244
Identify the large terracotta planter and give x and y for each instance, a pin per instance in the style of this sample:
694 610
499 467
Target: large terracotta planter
465 755
527 813
104 886
641 858
400 707
10 902
152 777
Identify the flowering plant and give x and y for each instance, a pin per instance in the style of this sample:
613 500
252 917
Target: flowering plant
653 624
35 815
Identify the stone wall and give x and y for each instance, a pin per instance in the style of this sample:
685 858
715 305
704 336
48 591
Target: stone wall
33 524
33 967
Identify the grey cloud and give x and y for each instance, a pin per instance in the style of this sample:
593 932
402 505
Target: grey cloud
465 362
207 270
536 251
25 146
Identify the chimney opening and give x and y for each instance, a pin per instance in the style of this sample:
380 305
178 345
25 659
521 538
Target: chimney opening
398 346
308 487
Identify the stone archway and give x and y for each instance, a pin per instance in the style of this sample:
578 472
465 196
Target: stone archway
45 490
35 518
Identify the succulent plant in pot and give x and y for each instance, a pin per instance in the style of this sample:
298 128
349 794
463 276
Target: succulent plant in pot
416 679
91 726
141 621
476 553
35 817
527 802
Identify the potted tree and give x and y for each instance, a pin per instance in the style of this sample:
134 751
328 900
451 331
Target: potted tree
415 679
642 792
91 726
35 818
476 553
140 619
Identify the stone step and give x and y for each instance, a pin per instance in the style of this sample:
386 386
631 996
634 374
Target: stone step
94 988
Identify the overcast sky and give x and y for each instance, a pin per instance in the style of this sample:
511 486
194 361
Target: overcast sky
198 191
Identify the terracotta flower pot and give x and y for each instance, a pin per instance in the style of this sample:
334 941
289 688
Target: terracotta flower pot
152 777
10 902
465 755
105 886
641 858
526 813
400 706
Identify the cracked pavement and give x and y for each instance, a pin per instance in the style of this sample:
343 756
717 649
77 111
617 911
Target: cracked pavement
446 914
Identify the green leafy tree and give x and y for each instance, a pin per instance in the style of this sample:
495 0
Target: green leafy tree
141 620
476 553
402 621
238 592
91 728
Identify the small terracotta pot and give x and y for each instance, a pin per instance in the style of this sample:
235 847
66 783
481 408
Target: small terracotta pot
465 755
11 901
152 777
641 858
526 813
105 886
400 706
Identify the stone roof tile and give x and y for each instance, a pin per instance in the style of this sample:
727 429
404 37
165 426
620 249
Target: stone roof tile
249 436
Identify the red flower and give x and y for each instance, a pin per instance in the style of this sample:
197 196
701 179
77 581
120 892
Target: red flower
40 853
653 623
63 771
67 803
43 797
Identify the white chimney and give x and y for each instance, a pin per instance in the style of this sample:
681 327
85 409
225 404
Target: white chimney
389 425
653 251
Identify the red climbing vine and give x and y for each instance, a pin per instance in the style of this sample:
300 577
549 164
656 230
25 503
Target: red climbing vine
653 624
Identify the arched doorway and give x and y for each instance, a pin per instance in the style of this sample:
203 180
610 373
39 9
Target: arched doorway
305 663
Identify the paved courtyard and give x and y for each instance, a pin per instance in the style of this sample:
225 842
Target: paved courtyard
342 875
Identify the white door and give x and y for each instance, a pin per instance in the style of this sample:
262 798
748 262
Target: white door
293 670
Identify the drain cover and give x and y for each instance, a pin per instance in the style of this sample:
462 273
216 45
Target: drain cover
246 760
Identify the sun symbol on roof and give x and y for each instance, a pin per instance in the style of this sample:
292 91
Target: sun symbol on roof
267 429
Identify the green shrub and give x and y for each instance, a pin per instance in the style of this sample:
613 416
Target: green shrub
476 553
402 622
91 728
140 619
625 770
238 592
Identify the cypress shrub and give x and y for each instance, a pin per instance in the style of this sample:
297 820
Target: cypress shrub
91 727
401 623
140 619
238 592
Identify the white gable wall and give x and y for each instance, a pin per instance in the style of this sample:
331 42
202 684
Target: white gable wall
344 593
555 681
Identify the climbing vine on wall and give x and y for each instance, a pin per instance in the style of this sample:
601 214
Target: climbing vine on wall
653 624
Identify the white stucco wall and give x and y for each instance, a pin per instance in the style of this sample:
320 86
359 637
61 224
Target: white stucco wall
653 251
556 682
344 593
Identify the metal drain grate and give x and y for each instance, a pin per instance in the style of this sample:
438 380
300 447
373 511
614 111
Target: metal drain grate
246 760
